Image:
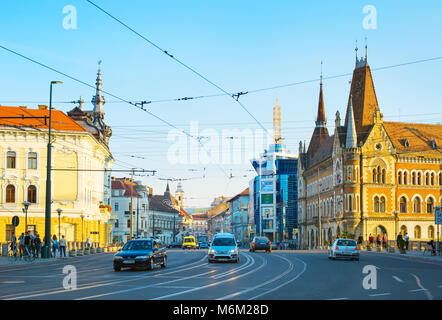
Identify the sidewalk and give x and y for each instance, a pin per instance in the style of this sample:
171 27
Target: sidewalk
8 261
415 255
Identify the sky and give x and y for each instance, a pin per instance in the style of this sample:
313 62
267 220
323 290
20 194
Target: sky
240 46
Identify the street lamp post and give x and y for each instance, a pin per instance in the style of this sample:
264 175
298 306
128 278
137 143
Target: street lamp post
25 211
59 223
82 231
46 249
395 227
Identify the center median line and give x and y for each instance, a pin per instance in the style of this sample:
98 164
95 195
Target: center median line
95 284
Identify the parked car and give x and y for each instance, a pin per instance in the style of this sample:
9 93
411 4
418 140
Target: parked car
141 253
260 243
344 248
223 248
189 243
275 245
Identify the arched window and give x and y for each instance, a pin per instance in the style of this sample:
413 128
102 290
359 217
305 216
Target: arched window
403 230
433 177
430 205
440 178
417 232
417 205
430 232
427 179
384 174
403 205
419 178
379 172
32 194
10 160
399 177
405 177
10 194
413 178
374 176
382 206
376 204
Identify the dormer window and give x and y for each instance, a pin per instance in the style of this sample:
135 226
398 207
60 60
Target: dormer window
433 144
406 143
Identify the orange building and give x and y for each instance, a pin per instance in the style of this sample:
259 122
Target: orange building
370 176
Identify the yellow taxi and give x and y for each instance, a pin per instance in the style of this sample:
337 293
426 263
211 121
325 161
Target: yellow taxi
189 243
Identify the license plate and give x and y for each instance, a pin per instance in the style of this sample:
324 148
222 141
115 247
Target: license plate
129 261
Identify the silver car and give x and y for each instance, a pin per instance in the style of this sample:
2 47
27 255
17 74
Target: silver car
223 248
344 248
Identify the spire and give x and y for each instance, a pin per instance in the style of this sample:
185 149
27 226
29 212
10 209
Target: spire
352 139
80 103
98 99
320 120
167 189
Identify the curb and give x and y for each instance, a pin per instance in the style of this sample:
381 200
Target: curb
412 257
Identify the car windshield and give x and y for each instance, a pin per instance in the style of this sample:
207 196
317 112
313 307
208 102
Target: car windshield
262 240
189 240
346 243
138 245
223 242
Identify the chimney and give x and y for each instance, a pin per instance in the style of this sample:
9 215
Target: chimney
42 107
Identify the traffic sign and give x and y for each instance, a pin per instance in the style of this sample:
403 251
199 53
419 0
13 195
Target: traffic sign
438 216
15 221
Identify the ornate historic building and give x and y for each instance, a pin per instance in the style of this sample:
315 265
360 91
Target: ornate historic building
370 176
81 163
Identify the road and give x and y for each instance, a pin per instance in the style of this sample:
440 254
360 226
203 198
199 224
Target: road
278 275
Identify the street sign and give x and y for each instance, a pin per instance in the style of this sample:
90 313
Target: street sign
15 221
438 216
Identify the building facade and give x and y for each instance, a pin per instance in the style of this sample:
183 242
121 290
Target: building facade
371 176
239 217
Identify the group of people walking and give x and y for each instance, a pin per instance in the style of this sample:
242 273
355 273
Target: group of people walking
380 240
29 245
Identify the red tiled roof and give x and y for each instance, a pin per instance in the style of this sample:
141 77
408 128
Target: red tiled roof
60 121
128 186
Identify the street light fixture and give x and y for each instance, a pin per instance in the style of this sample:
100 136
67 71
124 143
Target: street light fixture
46 249
59 222
25 211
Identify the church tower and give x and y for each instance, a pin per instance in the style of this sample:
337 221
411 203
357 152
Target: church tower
179 194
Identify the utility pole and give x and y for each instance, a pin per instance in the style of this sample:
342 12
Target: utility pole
138 215
319 214
131 207
46 251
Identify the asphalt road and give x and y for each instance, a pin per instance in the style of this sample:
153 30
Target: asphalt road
280 275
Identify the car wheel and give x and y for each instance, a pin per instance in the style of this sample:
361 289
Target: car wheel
164 264
149 265
116 268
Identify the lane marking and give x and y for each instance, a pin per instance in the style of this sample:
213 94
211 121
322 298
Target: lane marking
215 283
380 294
398 279
289 269
284 284
98 284
427 292
417 290
338 299
11 282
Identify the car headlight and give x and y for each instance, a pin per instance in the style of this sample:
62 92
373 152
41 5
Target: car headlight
233 251
118 257
212 251
142 257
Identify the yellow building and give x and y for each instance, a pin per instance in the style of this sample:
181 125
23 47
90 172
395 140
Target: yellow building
370 176
79 182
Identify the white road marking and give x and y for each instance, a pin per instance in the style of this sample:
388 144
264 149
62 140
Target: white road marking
12 282
427 292
339 299
398 279
380 294
417 290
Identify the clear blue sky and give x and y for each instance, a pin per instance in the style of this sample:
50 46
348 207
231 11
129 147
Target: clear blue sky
241 46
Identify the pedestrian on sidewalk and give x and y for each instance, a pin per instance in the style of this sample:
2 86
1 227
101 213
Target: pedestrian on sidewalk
378 240
406 239
88 242
27 244
32 244
398 239
54 246
62 247
21 245
370 239
37 243
385 240
14 245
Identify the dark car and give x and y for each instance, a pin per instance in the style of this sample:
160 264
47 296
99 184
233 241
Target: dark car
260 243
175 245
141 253
203 245
275 245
